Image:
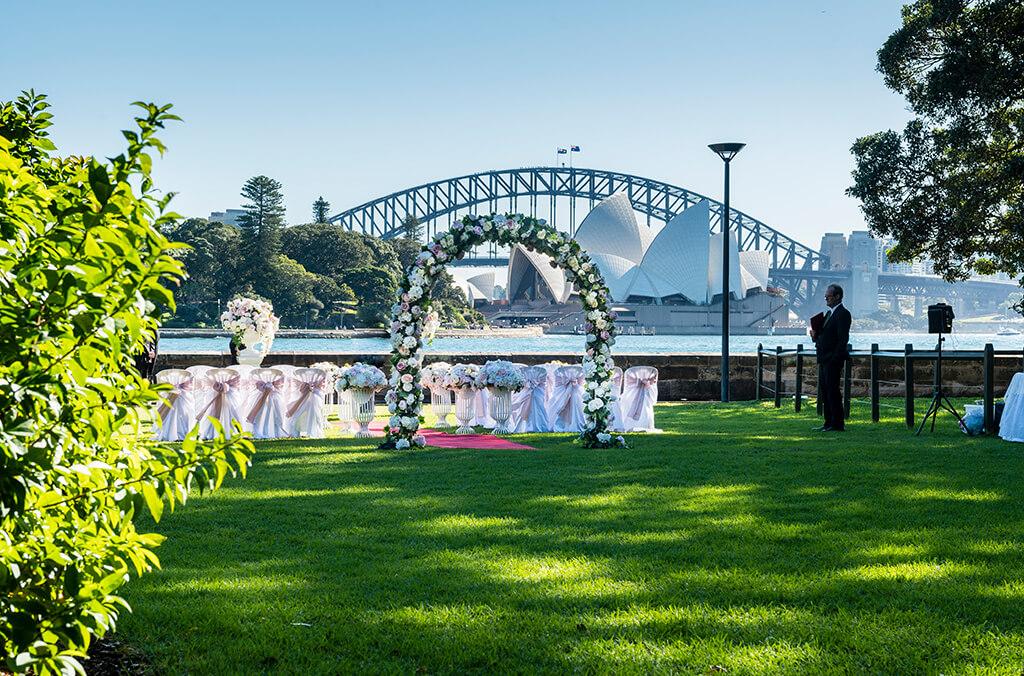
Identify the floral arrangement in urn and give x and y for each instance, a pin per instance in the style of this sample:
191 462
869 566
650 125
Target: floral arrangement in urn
412 318
435 376
361 376
251 321
502 375
462 376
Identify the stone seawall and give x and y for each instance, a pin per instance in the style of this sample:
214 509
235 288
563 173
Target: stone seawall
692 377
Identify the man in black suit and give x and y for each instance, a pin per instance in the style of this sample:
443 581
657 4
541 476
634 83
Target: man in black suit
830 344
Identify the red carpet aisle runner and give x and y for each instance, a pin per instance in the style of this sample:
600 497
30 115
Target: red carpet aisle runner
483 442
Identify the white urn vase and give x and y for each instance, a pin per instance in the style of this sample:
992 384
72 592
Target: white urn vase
465 409
363 409
500 403
346 415
251 355
441 404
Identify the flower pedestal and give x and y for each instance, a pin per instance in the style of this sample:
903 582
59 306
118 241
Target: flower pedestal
465 409
346 414
363 407
250 356
501 409
441 405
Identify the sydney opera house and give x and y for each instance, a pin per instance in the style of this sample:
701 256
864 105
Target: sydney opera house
666 280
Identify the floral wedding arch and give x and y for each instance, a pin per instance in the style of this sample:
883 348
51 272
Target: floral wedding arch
413 321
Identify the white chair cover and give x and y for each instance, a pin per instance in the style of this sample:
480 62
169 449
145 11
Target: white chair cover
246 395
483 410
551 368
265 409
616 423
305 412
223 395
289 375
176 412
640 394
565 407
529 405
1011 424
198 372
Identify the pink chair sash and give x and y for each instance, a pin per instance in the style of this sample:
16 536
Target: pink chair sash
576 383
646 386
306 390
222 388
523 405
167 403
265 388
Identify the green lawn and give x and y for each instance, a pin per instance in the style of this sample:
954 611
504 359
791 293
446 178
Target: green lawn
738 540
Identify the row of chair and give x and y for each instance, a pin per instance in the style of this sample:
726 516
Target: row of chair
270 403
288 401
552 400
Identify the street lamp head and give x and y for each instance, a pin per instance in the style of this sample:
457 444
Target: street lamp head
727 151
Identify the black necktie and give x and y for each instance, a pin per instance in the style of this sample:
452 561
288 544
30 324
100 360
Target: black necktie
827 315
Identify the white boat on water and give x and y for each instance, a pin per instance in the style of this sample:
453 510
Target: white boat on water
1007 331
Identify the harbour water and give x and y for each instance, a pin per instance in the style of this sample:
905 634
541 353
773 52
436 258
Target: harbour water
569 344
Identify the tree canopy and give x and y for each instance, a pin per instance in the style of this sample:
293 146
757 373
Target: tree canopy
951 184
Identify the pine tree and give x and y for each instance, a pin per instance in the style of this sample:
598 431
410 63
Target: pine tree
262 221
411 228
321 208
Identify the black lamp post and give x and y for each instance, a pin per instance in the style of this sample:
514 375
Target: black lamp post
726 151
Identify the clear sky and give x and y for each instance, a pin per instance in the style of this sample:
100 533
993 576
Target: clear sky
353 100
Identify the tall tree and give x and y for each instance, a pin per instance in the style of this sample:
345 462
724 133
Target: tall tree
376 289
326 248
951 185
263 219
412 228
321 209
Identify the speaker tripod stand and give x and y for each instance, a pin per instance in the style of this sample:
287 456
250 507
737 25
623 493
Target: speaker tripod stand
939 398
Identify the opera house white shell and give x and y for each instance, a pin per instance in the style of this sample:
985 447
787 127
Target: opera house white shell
679 264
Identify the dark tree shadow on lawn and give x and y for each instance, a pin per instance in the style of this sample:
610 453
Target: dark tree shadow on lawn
765 550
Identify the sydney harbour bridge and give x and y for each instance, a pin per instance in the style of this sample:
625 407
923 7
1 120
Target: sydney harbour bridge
557 193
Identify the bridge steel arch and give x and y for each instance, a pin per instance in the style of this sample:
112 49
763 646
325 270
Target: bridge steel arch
384 216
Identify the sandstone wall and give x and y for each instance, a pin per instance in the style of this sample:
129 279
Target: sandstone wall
686 376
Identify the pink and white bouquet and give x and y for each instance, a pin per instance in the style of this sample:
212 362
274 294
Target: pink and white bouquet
433 376
361 376
250 320
462 376
500 374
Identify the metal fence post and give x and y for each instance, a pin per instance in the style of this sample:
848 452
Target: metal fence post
760 372
874 383
908 384
798 395
847 377
988 371
818 406
778 376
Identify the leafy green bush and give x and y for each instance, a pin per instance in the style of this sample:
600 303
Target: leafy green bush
83 268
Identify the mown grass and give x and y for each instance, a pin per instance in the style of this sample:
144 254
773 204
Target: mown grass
738 540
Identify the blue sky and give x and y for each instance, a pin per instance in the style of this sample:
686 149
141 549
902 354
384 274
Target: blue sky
356 100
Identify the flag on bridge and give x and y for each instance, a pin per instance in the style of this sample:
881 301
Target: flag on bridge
562 151
575 149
